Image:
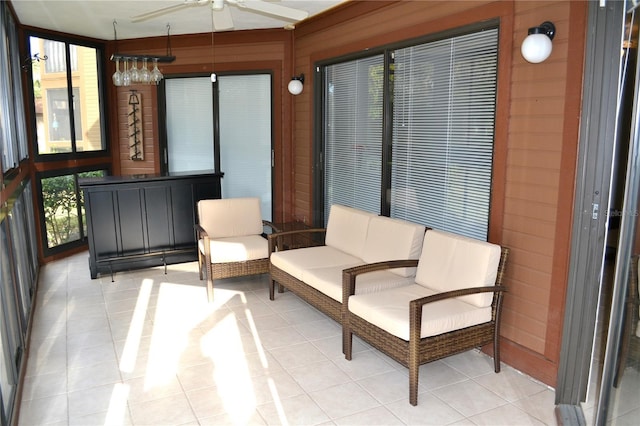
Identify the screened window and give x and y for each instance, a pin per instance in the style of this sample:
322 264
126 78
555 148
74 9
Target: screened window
443 127
13 139
432 163
353 134
63 207
68 118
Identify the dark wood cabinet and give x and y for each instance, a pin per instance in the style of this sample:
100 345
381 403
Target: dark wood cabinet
142 221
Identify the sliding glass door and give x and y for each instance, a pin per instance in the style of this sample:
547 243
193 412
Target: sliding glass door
189 121
224 126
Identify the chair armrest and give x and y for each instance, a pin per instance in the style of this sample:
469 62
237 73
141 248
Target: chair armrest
277 239
200 231
349 275
415 306
270 225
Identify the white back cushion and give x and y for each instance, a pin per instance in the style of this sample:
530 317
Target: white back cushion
347 229
451 262
230 217
393 239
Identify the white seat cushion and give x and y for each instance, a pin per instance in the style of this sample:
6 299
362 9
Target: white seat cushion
451 262
393 239
230 217
389 310
328 280
296 261
347 229
237 249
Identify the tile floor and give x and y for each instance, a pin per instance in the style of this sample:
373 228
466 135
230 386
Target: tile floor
149 350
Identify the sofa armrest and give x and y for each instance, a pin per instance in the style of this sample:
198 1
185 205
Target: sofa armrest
350 275
415 306
299 238
200 231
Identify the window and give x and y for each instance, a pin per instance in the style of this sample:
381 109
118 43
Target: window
64 215
68 118
224 126
13 139
353 134
433 165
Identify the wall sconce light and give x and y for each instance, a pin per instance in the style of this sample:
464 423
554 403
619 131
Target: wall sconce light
296 84
537 46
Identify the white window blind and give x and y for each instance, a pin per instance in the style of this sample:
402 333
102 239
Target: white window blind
245 137
443 132
189 124
353 134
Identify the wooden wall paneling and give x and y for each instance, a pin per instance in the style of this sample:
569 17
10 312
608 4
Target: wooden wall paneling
536 130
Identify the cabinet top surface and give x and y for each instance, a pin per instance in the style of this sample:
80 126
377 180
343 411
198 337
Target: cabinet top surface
108 180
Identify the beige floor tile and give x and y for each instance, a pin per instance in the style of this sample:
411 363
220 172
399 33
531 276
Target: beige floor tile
44 385
298 410
319 376
505 415
47 410
429 411
344 400
92 376
171 410
106 398
377 416
469 398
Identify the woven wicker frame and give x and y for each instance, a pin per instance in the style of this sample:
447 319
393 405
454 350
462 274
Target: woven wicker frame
418 351
216 271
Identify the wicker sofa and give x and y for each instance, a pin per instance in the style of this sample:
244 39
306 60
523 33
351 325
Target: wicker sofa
352 237
454 304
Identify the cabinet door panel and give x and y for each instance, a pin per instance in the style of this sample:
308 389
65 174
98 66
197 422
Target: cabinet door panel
131 221
158 207
183 209
102 228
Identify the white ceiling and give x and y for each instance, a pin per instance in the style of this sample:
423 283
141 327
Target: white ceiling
94 18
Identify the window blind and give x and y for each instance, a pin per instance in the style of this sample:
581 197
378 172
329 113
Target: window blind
443 132
189 124
245 137
353 134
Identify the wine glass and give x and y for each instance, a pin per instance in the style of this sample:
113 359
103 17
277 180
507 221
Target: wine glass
145 75
117 76
126 75
135 72
156 75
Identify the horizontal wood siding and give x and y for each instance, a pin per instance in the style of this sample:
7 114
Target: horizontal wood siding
536 137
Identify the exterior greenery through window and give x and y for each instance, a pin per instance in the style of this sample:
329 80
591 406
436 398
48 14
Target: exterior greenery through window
432 165
63 207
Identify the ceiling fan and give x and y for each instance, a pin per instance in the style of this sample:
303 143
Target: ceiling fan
221 15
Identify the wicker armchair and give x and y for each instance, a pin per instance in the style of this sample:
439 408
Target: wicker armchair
230 239
407 324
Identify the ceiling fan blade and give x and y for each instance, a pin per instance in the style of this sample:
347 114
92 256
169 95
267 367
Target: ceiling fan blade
222 20
273 9
160 12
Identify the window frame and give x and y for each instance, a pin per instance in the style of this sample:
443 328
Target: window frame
82 241
102 82
386 50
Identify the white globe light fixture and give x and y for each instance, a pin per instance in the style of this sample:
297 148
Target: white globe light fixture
537 46
296 85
